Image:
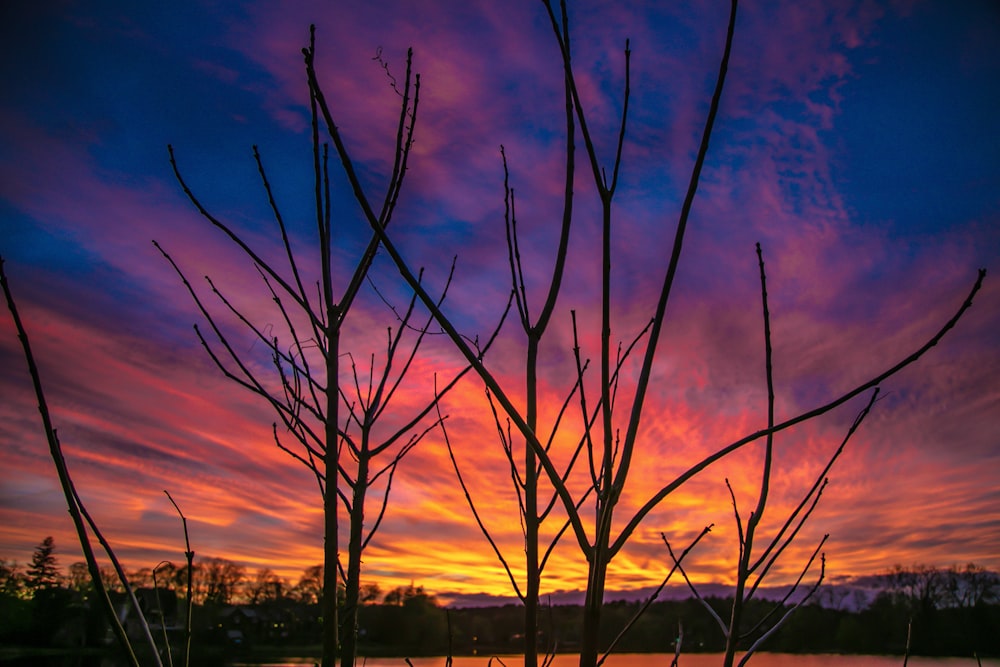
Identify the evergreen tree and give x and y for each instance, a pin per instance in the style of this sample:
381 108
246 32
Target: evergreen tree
43 572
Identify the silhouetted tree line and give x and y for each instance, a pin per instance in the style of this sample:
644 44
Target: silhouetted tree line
953 611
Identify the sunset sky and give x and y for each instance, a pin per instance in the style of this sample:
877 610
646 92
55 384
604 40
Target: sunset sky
859 142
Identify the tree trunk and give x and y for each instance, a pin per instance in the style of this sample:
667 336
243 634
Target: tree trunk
352 585
531 513
596 578
730 655
331 546
736 617
531 562
592 606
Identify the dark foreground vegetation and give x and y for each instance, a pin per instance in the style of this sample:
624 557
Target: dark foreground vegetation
949 612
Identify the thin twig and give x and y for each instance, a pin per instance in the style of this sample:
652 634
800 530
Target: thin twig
189 556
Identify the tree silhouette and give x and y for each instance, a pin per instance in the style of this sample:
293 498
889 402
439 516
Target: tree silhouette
337 419
610 416
223 580
43 570
265 586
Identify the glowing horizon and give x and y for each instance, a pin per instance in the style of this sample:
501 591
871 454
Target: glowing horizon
856 145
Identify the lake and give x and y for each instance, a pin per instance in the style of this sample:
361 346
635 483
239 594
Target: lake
622 660
663 660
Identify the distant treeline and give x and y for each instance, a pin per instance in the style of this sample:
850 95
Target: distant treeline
942 624
953 611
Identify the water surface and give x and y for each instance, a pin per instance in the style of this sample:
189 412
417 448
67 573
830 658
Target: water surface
663 660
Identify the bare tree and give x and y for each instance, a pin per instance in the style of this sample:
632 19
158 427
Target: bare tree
339 416
610 447
309 588
751 568
607 468
79 577
265 586
223 580
971 586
